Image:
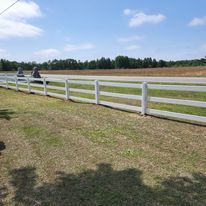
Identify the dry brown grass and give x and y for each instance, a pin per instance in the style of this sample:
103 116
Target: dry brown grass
66 153
179 71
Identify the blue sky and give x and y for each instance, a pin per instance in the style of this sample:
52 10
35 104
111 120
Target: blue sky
47 29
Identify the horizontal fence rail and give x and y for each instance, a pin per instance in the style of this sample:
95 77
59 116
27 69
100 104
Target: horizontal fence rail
66 90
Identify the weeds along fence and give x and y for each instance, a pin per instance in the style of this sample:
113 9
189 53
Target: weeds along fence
65 86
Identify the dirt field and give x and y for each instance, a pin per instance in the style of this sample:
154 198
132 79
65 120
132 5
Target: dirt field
179 71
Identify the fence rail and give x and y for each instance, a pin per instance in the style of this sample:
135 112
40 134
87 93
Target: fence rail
40 86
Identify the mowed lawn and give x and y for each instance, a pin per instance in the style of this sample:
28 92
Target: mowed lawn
185 95
67 153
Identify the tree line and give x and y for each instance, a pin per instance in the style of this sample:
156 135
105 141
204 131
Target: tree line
120 62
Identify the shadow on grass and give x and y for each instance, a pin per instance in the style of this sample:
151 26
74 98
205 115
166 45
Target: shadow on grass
181 121
106 186
3 194
6 114
2 146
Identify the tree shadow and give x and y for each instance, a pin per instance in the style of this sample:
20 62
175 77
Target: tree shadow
6 114
2 146
185 190
3 189
105 186
3 194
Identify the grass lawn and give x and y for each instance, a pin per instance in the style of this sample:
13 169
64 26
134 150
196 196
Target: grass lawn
66 153
198 96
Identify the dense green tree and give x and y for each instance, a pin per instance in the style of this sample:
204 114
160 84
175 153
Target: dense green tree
154 63
102 63
92 64
121 62
162 63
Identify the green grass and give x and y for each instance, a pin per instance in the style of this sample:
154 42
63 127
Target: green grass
66 153
198 96
36 133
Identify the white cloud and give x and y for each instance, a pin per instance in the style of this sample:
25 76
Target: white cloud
47 53
128 12
78 47
198 21
139 18
13 23
129 39
54 53
22 9
17 29
132 47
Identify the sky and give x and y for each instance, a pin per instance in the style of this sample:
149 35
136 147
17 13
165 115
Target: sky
39 30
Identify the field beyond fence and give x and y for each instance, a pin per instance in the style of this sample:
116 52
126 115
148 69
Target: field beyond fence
198 71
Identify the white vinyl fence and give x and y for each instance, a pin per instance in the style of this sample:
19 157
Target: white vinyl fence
144 83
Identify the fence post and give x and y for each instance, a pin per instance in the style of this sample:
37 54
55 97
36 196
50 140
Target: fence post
6 80
67 89
144 98
45 86
17 86
29 85
96 84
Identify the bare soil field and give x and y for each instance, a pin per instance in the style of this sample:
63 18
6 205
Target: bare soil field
175 71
